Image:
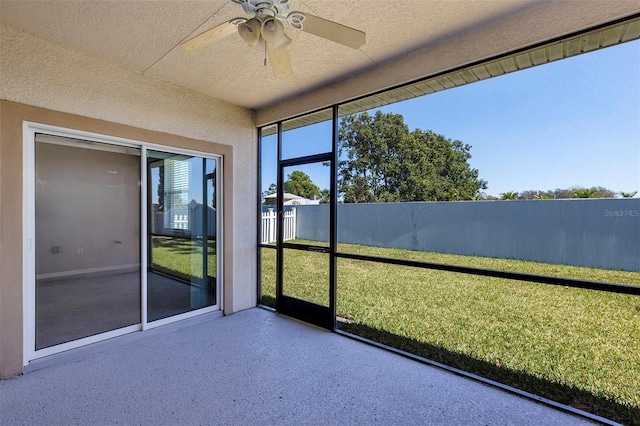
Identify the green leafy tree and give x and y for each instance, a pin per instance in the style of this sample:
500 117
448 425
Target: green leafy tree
628 194
299 183
382 161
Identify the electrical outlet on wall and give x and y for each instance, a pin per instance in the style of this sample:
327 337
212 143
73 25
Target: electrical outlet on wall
56 249
80 251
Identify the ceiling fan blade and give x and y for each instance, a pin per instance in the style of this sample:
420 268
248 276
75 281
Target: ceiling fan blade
280 61
209 37
333 31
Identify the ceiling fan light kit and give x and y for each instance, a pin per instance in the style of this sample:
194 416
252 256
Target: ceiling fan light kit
266 23
250 31
273 32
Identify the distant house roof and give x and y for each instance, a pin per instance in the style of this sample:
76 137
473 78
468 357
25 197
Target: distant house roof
289 200
287 196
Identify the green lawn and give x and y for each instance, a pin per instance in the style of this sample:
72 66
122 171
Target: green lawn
182 257
575 346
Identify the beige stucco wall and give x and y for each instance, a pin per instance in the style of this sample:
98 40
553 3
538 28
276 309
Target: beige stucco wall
44 83
534 25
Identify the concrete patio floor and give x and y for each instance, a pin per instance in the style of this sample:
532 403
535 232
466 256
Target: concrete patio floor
254 367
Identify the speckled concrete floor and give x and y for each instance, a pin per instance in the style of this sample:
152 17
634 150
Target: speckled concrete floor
253 367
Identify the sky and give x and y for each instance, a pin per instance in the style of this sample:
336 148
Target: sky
574 122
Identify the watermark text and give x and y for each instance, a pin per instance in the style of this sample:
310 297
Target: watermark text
622 213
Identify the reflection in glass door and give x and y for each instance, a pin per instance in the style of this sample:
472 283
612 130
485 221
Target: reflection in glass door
182 250
87 222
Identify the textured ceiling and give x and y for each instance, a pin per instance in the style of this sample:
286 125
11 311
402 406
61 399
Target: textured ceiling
145 36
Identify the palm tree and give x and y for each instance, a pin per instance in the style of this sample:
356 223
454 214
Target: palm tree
628 194
586 193
509 195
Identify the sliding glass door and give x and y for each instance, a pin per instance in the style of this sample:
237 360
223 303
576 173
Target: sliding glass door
87 219
182 251
125 238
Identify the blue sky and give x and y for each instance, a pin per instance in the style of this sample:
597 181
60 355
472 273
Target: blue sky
574 122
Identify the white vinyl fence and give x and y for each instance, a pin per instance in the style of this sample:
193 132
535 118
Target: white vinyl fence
270 226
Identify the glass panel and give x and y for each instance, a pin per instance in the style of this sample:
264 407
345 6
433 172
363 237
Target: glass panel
535 171
268 276
269 189
182 273
306 208
87 240
306 276
300 139
570 345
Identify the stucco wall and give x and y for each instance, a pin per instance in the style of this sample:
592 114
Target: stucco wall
48 84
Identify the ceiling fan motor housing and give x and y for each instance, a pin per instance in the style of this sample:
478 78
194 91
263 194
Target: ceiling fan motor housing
262 9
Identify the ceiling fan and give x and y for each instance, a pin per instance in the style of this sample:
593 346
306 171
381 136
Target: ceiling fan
265 25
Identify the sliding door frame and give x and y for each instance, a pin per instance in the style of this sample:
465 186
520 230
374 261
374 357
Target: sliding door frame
29 131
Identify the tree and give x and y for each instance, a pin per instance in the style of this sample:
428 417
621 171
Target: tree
536 195
564 193
325 196
381 161
585 193
273 188
593 192
628 194
574 192
160 189
509 195
544 197
299 183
